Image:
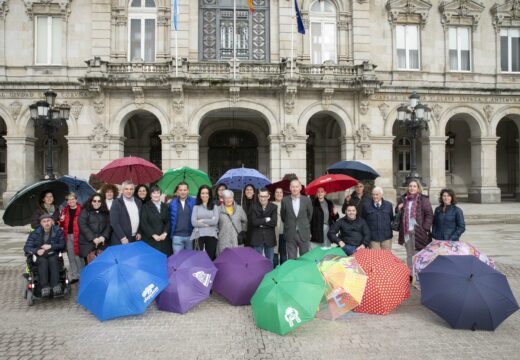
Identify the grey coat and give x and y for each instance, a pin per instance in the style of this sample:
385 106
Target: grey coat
291 221
227 235
207 226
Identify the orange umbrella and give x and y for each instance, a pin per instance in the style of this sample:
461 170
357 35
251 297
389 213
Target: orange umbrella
388 282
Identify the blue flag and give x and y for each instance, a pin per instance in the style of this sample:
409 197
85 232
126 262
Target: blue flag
174 10
301 28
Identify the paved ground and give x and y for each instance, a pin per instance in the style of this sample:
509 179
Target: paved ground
61 329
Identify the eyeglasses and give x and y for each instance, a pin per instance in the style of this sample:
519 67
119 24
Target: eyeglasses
96 201
263 196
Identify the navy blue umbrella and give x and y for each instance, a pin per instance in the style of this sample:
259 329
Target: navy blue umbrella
356 169
467 293
78 186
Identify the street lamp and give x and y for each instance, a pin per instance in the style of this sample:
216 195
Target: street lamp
414 117
49 116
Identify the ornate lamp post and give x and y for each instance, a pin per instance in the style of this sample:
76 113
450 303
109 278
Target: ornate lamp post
414 117
49 116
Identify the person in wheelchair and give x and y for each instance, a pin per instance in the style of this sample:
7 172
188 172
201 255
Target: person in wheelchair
44 244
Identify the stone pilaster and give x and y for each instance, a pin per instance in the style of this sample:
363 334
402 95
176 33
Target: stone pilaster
79 149
382 155
20 164
483 171
433 164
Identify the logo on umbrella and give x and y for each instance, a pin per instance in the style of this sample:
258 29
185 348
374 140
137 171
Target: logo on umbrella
292 316
205 279
149 292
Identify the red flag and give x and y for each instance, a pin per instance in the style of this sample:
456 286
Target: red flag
250 4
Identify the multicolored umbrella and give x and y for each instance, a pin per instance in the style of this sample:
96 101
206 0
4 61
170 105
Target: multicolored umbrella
388 282
237 179
427 255
132 168
354 168
316 254
240 270
331 183
346 282
193 177
288 297
190 278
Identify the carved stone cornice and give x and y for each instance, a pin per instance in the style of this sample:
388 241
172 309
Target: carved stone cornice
461 12
507 14
408 11
4 9
119 16
47 7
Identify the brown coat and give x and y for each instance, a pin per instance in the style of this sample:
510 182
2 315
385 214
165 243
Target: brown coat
424 218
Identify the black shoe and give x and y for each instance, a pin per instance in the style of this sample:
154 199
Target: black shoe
73 281
46 292
57 291
411 279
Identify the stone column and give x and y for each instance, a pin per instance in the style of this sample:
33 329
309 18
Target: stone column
348 147
20 164
434 164
116 147
517 190
306 53
79 149
163 43
382 161
484 188
275 157
293 155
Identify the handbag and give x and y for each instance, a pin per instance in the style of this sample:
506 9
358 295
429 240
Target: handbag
241 235
397 220
93 254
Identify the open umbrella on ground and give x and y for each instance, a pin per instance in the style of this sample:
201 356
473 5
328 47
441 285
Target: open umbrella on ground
467 293
132 168
237 179
22 205
240 270
356 169
316 254
80 187
284 185
123 280
331 183
190 278
194 178
288 297
388 282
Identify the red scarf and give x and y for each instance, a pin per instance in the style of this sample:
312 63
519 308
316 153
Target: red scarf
414 199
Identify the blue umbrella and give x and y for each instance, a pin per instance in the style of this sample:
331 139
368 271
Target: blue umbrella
78 186
123 280
467 293
356 169
237 179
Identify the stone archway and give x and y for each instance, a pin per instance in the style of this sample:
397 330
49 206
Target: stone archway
141 133
507 158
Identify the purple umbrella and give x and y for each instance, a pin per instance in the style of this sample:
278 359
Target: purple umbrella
240 271
237 179
190 276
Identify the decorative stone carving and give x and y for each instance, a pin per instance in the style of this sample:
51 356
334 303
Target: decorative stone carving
177 98
138 95
99 138
98 99
436 111
4 9
47 7
326 98
75 109
364 105
408 11
178 136
290 96
289 138
234 95
507 14
461 12
363 140
14 109
383 109
488 110
119 15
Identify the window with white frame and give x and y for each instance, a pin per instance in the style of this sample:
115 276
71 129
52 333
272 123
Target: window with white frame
323 31
510 50
459 48
142 20
403 154
48 40
407 46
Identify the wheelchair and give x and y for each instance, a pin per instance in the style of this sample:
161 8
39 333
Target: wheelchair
32 288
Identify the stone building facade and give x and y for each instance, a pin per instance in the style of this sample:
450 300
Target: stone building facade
138 87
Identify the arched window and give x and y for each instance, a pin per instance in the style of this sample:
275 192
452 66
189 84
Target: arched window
142 20
323 32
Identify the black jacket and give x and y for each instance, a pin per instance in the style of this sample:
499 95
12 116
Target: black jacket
351 232
379 220
120 220
317 220
448 225
35 240
152 222
356 201
92 224
263 232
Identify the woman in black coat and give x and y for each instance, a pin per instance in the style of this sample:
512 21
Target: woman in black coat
45 206
448 219
154 224
249 198
94 226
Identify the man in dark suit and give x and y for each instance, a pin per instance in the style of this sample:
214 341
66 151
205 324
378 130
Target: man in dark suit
124 216
264 216
296 215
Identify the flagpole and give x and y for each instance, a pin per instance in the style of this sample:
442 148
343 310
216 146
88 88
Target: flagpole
234 39
175 14
293 17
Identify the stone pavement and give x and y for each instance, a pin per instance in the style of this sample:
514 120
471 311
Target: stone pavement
61 329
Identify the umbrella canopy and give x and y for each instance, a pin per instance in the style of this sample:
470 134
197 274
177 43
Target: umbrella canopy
190 277
240 270
356 169
21 207
331 183
467 293
237 179
316 254
346 282
288 297
194 178
284 185
427 255
123 280
132 168
388 282
80 187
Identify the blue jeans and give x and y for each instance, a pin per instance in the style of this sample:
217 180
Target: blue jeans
268 251
349 249
181 243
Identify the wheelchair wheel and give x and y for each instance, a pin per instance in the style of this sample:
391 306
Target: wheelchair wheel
30 298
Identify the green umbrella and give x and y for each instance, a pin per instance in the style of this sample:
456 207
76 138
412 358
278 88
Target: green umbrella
315 255
288 297
193 177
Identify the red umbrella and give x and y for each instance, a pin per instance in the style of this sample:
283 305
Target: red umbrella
284 185
132 168
388 282
331 183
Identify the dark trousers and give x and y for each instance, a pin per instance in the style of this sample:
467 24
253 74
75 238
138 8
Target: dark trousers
297 246
48 264
281 257
208 243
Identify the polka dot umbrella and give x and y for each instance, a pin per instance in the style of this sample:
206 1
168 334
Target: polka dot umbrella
237 179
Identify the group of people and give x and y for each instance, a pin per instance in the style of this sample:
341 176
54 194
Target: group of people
276 226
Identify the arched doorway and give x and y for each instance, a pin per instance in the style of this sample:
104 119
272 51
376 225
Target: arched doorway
142 139
60 152
507 157
3 156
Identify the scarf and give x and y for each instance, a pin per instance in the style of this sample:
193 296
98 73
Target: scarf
49 208
412 214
